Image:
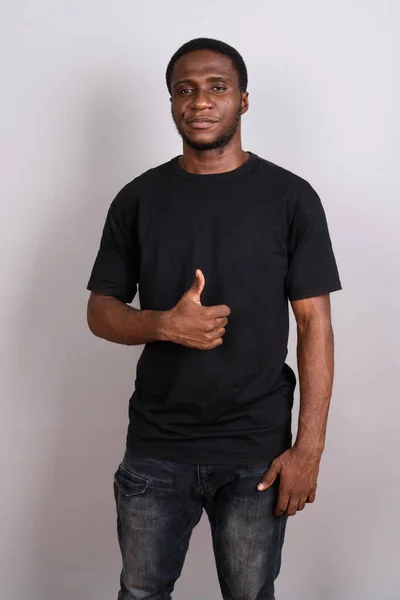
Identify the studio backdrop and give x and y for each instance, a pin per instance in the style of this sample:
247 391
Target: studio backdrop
85 109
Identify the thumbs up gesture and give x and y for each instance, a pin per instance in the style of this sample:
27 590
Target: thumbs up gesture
191 324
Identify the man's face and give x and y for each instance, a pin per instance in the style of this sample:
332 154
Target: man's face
206 102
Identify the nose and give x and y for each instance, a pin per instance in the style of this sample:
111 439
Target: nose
200 100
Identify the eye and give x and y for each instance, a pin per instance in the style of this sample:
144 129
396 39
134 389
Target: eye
184 90
219 87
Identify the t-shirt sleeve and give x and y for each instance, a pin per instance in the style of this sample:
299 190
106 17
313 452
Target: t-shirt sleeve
116 268
312 269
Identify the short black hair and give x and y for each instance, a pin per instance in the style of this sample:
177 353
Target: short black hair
215 46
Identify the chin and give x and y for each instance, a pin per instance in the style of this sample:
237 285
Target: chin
202 139
204 142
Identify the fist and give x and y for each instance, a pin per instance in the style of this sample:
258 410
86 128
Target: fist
193 325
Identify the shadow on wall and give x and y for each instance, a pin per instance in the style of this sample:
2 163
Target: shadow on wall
79 385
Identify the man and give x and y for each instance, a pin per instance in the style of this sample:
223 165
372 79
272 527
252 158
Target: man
218 240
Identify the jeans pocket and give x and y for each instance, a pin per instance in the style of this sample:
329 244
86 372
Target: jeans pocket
128 483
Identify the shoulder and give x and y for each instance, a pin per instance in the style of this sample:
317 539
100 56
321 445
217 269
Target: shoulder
284 177
296 192
127 198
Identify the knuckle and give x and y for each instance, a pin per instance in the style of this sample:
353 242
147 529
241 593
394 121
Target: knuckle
208 314
283 502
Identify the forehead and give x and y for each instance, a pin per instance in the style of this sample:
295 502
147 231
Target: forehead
202 64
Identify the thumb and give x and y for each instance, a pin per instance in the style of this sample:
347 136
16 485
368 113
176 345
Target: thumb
269 477
197 287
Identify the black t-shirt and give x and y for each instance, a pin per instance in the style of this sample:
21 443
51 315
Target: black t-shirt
260 236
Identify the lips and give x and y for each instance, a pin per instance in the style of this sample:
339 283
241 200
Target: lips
201 123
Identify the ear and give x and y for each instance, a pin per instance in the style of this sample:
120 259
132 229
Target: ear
245 103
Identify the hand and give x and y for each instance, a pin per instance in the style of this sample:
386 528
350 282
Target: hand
298 473
193 325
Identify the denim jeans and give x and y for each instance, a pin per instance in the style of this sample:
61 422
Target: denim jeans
160 502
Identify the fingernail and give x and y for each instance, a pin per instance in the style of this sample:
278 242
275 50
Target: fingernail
260 486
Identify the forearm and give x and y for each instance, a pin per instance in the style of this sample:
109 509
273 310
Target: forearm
315 357
117 322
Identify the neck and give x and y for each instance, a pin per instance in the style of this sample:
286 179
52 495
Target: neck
220 160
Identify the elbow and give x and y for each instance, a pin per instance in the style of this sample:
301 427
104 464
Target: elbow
314 324
91 323
91 326
92 316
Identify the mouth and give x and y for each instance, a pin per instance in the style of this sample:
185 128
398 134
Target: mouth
201 123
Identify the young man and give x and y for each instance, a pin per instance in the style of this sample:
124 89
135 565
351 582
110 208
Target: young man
218 240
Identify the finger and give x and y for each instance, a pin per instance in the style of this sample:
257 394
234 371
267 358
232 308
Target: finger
221 322
268 478
218 333
302 503
214 339
219 310
214 344
197 286
215 334
311 496
292 506
282 504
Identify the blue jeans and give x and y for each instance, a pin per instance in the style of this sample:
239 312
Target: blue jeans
160 502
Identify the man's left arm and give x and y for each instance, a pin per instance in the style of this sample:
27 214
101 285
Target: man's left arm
298 467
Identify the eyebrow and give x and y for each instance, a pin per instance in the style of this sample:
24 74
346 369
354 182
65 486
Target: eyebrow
212 78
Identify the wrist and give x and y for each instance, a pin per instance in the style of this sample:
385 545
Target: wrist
309 447
162 325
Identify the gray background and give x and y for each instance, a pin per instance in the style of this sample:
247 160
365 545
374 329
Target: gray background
84 109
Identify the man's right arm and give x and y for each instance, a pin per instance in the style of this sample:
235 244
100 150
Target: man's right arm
187 323
117 322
